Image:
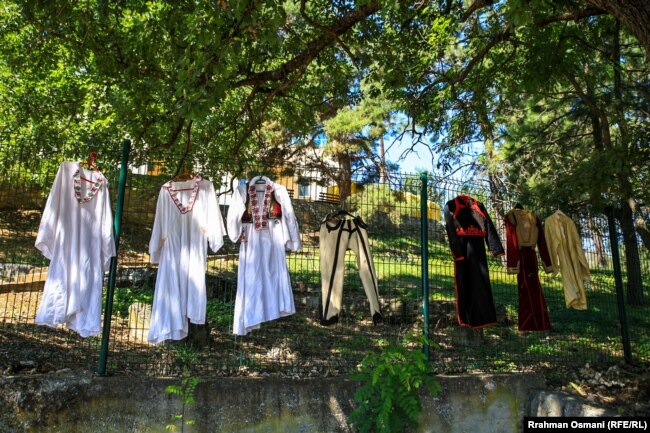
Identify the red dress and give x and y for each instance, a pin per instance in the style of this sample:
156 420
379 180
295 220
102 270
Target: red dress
523 233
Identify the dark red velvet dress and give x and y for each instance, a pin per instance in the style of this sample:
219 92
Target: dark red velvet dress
522 259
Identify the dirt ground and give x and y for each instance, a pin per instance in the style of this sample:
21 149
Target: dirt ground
30 350
622 388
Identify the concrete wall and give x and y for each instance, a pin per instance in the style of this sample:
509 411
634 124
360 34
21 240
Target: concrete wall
75 402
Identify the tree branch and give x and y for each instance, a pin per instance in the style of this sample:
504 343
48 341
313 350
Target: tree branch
570 16
478 4
303 59
188 136
460 78
319 26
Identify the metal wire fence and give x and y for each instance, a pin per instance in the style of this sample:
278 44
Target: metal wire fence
298 345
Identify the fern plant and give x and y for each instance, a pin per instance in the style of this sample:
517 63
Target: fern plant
185 390
388 400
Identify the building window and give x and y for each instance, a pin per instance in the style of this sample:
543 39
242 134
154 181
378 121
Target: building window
304 190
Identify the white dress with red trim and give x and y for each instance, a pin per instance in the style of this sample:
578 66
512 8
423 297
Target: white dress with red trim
76 234
187 221
262 218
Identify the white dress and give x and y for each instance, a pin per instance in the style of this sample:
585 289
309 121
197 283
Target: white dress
263 283
76 234
187 220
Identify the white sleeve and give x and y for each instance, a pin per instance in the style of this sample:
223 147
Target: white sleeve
235 212
157 241
46 237
216 230
289 221
108 237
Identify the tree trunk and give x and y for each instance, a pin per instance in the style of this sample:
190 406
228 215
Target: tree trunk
629 204
491 170
601 256
642 229
632 261
345 178
382 165
635 14
602 141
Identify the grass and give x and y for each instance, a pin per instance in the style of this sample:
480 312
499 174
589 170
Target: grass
577 336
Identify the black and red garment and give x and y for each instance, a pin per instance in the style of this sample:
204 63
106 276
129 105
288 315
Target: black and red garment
523 233
469 229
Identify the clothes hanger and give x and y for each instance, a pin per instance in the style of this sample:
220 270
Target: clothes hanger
184 175
261 180
91 161
90 164
343 212
339 213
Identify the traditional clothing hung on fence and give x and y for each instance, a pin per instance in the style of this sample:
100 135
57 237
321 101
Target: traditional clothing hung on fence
187 221
523 233
567 257
339 232
468 227
76 234
261 217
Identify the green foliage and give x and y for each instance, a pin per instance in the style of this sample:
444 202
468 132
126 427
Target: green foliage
375 199
206 75
388 399
381 205
186 355
186 392
124 298
219 313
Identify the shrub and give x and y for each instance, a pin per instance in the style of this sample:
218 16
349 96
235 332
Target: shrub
388 401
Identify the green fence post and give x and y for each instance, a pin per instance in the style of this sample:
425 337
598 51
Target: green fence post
618 280
424 226
117 228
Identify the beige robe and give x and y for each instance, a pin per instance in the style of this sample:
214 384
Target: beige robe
568 258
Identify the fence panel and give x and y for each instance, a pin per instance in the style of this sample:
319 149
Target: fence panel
299 345
576 337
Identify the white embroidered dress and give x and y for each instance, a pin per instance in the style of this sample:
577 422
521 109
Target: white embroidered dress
263 283
76 234
187 221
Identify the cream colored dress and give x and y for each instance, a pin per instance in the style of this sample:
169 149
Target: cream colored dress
568 258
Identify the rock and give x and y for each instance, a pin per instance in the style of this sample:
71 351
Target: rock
556 404
139 319
135 276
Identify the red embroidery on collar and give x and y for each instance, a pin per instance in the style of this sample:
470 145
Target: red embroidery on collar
90 193
177 201
260 214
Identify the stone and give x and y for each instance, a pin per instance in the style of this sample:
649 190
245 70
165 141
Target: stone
558 404
139 320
